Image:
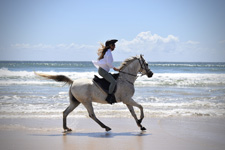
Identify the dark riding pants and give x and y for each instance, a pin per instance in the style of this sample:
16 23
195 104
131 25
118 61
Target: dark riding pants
109 78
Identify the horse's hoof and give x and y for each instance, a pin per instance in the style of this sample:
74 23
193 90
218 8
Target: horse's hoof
107 129
143 128
67 130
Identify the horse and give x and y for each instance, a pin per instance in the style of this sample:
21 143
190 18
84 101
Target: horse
85 91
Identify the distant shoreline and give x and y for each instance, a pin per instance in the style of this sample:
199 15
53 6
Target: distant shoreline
114 61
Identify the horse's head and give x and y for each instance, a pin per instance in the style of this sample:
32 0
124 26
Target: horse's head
144 69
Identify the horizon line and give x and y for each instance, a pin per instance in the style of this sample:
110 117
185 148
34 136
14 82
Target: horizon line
114 61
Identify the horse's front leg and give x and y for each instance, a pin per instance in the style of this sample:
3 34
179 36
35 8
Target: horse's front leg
130 107
133 103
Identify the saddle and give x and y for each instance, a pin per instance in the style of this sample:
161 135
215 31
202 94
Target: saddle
104 84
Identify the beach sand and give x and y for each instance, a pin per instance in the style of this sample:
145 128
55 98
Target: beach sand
180 133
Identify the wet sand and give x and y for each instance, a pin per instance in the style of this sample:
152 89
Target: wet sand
162 133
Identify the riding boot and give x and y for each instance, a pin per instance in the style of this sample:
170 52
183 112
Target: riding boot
111 98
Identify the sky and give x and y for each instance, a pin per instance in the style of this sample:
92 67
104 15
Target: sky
72 30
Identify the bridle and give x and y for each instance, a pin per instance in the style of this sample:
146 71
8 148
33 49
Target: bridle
142 68
141 61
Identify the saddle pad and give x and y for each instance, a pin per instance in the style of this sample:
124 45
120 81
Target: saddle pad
104 84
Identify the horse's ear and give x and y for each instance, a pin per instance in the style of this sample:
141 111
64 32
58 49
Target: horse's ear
141 56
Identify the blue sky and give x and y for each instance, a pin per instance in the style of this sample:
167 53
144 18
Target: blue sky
71 30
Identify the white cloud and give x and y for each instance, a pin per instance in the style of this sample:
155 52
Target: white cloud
24 46
30 46
145 42
192 42
48 46
74 46
153 46
159 48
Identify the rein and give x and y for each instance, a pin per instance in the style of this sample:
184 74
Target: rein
128 73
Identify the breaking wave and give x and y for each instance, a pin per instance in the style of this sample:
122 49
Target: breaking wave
159 79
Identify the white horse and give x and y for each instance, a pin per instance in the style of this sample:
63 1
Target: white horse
85 91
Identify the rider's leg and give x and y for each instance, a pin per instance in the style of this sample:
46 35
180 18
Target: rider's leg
110 79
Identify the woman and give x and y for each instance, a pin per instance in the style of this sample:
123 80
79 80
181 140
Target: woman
104 64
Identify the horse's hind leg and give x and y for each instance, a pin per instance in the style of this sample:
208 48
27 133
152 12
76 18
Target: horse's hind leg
91 113
68 110
73 104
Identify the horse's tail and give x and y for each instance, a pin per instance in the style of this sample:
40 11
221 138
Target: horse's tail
58 78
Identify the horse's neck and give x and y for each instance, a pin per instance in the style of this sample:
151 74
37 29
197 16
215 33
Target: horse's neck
132 69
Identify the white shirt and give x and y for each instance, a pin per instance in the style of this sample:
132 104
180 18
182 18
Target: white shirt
106 63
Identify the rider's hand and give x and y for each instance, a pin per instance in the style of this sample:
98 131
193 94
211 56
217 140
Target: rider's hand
116 69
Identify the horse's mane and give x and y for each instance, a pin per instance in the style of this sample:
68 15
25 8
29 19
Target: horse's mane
127 61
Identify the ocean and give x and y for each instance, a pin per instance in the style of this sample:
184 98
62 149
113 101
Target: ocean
176 89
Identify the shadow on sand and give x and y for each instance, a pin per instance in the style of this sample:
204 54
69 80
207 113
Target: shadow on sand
97 134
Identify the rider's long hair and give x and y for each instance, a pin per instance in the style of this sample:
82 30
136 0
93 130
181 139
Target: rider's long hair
102 50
